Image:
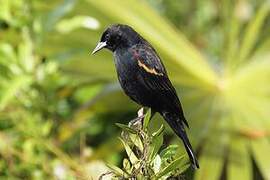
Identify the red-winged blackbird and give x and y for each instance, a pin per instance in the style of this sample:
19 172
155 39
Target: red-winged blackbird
144 79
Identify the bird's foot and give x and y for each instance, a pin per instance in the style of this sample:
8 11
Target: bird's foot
138 121
135 124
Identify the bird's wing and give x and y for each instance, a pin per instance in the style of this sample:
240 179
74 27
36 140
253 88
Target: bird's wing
155 78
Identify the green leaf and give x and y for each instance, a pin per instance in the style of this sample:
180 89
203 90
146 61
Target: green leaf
156 143
126 128
174 165
25 52
239 160
253 31
157 164
146 119
135 138
232 26
5 9
56 14
132 157
159 131
260 149
7 54
117 171
211 164
67 25
126 165
169 151
14 86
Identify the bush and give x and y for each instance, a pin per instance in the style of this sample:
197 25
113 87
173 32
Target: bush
146 159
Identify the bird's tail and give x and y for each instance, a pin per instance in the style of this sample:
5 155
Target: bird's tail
177 125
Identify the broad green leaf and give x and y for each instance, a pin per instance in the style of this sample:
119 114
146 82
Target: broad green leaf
260 150
67 25
56 14
211 159
169 151
135 138
155 143
159 131
7 54
232 27
157 164
126 165
146 119
171 167
264 47
239 160
210 168
25 52
117 171
5 10
126 128
132 157
14 86
253 31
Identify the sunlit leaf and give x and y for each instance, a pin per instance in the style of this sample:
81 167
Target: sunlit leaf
137 141
126 128
159 131
211 161
14 86
169 151
132 157
117 170
253 31
239 160
127 165
157 164
169 168
260 149
54 16
146 119
156 143
68 25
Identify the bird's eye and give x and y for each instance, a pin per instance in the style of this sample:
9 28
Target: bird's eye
117 37
107 36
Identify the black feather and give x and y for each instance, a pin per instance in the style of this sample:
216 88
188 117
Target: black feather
179 129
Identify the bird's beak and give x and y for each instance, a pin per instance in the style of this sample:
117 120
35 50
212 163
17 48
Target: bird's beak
99 46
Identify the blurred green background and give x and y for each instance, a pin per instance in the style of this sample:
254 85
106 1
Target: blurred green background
59 104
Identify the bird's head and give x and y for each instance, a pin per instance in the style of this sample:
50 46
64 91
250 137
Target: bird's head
117 35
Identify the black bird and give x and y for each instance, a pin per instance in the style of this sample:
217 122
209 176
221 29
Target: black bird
144 79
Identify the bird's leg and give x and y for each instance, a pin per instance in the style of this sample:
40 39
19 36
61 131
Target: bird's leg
138 120
135 123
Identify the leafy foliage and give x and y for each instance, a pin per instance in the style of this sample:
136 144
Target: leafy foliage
58 103
145 159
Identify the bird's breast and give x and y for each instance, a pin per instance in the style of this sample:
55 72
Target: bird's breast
126 69
128 76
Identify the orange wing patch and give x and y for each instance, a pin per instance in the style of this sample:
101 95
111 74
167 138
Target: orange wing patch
149 70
